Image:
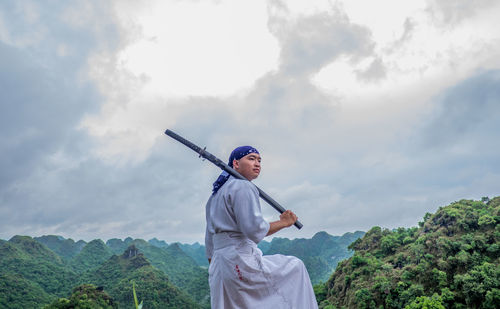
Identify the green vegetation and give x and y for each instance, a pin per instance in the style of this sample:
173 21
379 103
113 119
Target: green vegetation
196 251
44 270
136 302
320 254
31 274
16 292
91 256
65 248
452 260
117 275
180 268
86 296
117 246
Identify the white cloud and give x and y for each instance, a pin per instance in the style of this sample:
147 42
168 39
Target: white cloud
199 48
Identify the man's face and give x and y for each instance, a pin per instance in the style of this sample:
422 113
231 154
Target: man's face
248 166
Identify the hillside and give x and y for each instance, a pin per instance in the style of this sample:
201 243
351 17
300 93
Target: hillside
196 251
152 285
85 296
65 248
117 246
91 256
180 268
31 274
320 254
450 261
43 270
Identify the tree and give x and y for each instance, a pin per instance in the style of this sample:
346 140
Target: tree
86 296
424 302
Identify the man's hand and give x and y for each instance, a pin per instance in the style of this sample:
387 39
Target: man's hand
287 219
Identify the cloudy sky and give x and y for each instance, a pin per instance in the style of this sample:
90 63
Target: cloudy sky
365 112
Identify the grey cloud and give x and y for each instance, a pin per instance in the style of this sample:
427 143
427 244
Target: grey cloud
452 12
97 200
310 42
409 28
38 109
467 112
375 71
44 94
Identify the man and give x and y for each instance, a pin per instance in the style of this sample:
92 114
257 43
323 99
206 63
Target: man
239 275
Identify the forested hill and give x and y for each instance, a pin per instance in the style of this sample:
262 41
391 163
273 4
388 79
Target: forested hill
451 260
320 254
51 269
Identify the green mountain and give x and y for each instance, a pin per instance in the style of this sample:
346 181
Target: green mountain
65 248
117 246
195 251
320 254
158 243
31 274
452 260
152 285
181 269
91 256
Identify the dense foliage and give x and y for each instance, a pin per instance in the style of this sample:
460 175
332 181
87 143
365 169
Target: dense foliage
450 261
86 296
31 274
17 292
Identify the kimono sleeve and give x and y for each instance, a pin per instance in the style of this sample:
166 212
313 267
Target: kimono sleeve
209 246
248 212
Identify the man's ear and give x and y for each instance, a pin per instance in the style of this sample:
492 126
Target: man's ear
236 164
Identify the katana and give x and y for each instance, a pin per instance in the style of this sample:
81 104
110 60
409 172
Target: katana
210 157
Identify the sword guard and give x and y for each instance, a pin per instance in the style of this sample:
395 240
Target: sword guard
202 151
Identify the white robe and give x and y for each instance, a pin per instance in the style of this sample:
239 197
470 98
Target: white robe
239 275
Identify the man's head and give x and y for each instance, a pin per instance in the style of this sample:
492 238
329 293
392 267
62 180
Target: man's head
246 161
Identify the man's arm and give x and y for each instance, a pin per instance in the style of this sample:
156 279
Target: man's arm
287 219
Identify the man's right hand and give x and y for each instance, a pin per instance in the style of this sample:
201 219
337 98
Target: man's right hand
288 218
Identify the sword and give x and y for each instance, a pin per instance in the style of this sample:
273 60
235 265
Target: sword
210 157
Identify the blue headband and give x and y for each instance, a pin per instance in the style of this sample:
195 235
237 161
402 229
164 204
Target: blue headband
237 154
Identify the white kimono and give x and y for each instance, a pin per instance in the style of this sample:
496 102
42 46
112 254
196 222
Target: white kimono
239 275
